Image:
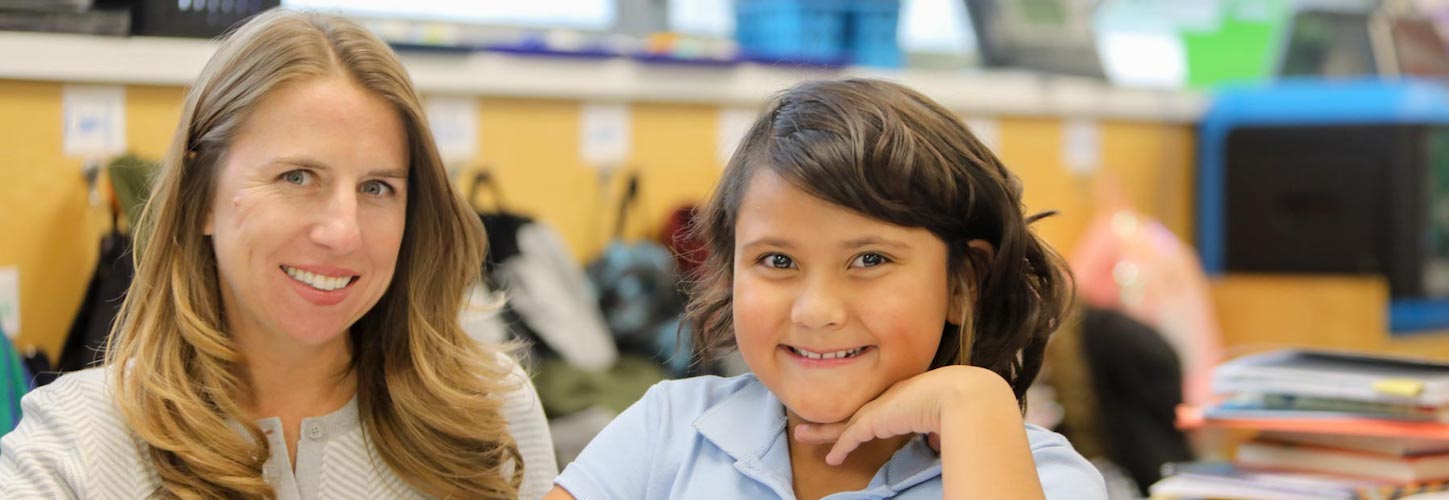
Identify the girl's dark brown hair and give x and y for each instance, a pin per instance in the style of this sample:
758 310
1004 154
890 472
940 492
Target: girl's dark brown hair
892 154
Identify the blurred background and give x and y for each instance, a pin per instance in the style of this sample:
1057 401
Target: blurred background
1253 195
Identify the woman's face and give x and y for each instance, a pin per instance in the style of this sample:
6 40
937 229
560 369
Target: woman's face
308 212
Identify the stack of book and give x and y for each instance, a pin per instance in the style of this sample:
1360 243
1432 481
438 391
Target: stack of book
1329 425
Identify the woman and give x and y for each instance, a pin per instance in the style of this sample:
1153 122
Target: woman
292 328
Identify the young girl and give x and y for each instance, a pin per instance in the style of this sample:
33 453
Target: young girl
870 261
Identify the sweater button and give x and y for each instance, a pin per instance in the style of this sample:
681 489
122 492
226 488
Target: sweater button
315 431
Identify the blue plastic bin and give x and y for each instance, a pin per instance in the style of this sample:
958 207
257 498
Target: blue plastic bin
803 31
871 33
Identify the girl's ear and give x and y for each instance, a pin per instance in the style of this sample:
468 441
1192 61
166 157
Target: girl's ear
979 254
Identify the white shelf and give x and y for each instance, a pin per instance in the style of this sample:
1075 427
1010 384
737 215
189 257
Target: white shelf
169 61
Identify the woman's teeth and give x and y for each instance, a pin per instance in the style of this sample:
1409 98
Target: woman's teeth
320 282
848 353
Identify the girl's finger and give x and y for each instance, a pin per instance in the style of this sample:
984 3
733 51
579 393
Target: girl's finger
820 433
859 431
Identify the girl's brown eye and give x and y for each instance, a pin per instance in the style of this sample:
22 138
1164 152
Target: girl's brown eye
869 260
775 261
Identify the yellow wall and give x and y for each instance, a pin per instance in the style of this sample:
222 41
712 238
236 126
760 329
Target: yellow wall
1265 312
532 148
675 151
151 115
49 229
1152 162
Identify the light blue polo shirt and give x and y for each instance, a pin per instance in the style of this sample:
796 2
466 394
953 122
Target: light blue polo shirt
711 437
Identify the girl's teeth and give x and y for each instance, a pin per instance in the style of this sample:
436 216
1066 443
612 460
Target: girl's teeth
830 355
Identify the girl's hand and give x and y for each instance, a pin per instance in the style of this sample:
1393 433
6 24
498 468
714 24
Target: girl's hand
912 406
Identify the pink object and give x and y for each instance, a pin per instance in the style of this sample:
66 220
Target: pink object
1131 263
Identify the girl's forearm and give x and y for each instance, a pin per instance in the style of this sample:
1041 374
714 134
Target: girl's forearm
984 449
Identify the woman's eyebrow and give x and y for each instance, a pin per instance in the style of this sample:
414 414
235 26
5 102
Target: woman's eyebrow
312 163
298 161
390 173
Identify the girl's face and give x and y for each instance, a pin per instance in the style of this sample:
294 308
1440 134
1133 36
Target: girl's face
832 307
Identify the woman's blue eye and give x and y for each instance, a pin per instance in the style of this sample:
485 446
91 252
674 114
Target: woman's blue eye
870 260
376 188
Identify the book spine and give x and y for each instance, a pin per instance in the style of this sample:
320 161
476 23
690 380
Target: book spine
1400 491
1300 403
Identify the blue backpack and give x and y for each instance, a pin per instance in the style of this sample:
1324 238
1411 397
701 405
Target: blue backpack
639 291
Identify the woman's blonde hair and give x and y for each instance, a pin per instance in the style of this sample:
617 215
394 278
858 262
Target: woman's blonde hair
428 396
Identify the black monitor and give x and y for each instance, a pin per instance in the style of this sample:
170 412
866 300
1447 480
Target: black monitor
1052 36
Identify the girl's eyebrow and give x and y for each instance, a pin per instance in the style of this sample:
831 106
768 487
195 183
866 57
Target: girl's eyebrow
874 240
768 242
848 245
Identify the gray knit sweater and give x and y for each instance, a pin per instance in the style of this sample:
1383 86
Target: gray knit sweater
72 443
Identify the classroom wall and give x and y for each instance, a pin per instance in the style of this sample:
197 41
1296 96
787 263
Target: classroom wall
1151 162
1265 312
49 228
531 147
